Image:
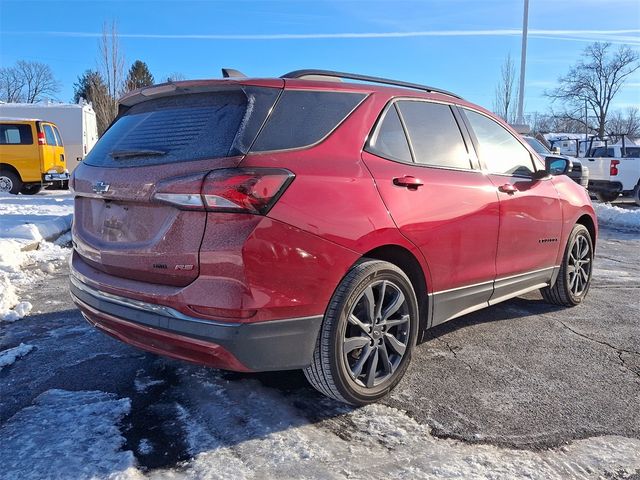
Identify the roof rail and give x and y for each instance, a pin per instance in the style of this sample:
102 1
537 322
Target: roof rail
366 78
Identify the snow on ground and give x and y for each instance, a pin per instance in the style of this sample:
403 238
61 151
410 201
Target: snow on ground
66 435
245 430
9 356
19 269
25 222
617 217
35 217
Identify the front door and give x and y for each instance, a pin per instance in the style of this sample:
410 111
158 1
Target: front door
530 210
439 200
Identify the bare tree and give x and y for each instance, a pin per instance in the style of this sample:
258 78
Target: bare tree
11 85
505 93
595 81
627 123
27 82
111 68
175 77
39 81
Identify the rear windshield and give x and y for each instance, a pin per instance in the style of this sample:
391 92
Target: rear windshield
15 134
184 127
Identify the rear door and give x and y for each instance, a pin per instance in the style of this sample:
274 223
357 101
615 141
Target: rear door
530 210
49 149
59 158
166 145
439 200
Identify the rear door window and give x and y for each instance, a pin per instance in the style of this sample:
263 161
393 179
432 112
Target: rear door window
500 151
16 134
58 137
49 135
434 134
389 140
184 127
304 117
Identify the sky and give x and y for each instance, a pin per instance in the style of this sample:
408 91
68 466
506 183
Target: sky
458 45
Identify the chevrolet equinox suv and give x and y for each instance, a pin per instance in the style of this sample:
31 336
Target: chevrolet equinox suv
304 222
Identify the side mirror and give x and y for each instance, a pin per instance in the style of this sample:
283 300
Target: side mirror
557 165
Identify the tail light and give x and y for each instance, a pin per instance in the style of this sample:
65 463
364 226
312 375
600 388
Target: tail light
244 190
613 169
41 139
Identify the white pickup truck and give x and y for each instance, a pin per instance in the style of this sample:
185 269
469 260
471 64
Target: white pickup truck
614 172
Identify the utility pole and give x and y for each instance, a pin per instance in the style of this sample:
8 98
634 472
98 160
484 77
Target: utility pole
523 61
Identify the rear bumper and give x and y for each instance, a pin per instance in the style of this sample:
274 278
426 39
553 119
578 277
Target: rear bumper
53 176
604 186
269 345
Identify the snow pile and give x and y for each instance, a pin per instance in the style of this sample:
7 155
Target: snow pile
36 217
25 219
66 435
8 357
616 217
19 269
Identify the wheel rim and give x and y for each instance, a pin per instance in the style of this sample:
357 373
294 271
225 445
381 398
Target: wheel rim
377 334
579 265
5 184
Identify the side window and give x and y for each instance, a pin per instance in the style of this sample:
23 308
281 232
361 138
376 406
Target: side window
499 150
15 134
389 140
434 134
610 152
49 135
58 137
633 152
304 117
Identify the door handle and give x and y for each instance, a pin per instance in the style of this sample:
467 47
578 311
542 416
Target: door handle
508 188
408 181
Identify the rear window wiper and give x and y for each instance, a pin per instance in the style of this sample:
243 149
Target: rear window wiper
135 153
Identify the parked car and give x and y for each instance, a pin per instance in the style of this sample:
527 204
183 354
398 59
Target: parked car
31 155
616 171
578 173
307 223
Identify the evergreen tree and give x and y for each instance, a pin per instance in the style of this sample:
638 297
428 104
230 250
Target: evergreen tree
139 76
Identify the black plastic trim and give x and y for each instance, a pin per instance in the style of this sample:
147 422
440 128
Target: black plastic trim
271 345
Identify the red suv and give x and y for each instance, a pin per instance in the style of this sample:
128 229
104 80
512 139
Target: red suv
304 222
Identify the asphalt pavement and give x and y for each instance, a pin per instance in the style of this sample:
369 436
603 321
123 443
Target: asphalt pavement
521 374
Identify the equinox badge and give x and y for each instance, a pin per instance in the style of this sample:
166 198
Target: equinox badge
101 187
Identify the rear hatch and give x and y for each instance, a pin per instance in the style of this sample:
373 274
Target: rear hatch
164 142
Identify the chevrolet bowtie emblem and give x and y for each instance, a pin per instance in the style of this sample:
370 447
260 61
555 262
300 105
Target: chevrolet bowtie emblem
101 187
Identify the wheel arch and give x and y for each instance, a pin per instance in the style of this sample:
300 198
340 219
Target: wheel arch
410 265
590 225
10 168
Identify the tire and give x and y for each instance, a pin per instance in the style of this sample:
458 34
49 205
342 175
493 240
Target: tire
573 281
10 182
31 189
636 195
339 369
606 197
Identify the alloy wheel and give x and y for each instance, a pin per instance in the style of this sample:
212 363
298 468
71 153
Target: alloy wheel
377 334
579 265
